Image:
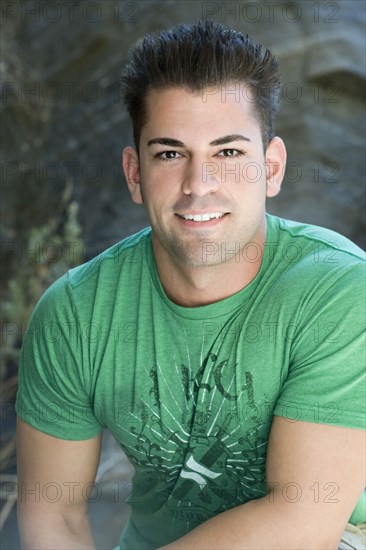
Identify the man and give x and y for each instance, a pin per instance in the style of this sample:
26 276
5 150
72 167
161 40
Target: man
222 346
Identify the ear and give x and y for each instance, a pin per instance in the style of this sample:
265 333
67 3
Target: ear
131 168
275 166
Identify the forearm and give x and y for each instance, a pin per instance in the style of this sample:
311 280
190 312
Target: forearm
258 524
45 531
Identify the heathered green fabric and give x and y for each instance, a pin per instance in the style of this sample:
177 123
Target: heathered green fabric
190 392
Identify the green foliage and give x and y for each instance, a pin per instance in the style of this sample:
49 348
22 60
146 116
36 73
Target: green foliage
44 258
49 251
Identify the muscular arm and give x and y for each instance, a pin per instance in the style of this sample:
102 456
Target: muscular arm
53 478
315 473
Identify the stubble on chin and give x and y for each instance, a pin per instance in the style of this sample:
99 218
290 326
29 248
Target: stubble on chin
193 253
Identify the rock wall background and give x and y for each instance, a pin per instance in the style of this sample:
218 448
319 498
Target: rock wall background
64 127
64 121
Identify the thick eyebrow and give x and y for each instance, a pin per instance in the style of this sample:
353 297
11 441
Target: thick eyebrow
166 141
176 143
229 139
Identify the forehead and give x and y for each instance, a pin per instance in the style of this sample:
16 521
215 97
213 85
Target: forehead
228 108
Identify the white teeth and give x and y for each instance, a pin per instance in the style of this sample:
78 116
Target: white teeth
203 217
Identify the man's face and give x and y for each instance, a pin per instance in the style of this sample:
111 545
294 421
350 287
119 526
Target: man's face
201 174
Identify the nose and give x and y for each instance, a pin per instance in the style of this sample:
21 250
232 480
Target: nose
199 178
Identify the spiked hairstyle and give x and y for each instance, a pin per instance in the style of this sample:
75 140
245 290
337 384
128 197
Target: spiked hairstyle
199 56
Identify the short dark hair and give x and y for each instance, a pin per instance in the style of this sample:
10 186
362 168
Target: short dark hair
197 56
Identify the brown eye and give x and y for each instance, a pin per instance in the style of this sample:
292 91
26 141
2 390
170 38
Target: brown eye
168 155
230 153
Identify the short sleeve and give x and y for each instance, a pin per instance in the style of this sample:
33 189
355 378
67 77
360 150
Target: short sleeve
54 379
326 378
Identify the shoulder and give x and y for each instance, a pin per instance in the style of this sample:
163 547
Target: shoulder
101 276
313 238
311 266
310 250
123 255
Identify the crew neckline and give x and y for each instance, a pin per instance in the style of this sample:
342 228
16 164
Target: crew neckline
222 307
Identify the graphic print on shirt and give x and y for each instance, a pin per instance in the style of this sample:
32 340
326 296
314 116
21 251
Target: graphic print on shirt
205 436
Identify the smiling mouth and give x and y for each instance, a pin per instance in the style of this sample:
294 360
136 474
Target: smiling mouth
202 217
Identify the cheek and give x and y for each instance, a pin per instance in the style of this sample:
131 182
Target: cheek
253 171
156 198
241 171
160 190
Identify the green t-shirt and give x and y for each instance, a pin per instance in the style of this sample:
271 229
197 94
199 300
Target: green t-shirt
190 392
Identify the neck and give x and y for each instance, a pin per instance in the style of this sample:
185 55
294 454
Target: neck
199 286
